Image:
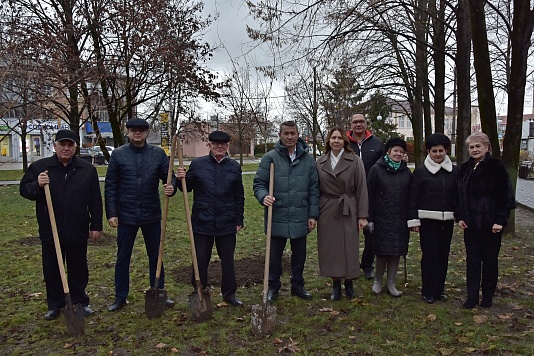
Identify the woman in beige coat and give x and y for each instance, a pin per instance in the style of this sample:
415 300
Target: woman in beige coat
343 210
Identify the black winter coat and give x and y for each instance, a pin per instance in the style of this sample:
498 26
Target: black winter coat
132 184
388 208
219 198
76 198
485 193
372 149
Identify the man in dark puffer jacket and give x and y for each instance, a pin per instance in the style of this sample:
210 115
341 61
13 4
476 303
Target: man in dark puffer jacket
132 202
218 208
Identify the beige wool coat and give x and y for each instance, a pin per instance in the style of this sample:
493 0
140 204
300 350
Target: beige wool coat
343 200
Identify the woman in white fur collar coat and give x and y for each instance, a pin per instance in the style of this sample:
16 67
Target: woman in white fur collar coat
431 213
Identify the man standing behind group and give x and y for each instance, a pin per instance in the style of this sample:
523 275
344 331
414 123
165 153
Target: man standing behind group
295 205
77 205
132 202
370 149
218 210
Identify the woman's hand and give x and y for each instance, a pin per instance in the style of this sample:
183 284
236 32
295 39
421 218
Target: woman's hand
496 228
462 224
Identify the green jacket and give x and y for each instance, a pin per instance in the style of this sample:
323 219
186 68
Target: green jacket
296 190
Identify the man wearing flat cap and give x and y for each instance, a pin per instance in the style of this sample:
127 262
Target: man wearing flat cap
132 203
218 209
77 202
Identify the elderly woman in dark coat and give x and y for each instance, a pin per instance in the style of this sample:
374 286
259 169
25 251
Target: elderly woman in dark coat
343 211
432 202
485 198
388 185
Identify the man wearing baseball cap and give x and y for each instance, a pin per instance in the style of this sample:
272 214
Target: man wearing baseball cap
218 208
132 203
77 201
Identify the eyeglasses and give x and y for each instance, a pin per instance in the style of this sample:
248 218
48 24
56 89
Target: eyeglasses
138 129
360 122
219 144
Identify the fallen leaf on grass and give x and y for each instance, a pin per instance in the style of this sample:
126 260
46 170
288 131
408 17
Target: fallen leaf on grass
327 310
291 347
30 295
464 340
445 351
277 341
469 349
352 337
174 349
479 319
222 305
505 316
431 317
68 346
161 345
458 323
391 342
486 347
492 338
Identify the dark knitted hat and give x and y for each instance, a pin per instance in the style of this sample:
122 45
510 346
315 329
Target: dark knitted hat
395 141
219 136
437 139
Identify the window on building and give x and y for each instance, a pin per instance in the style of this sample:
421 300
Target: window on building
401 122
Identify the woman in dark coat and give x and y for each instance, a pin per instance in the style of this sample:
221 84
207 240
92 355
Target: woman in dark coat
432 199
388 185
343 212
485 198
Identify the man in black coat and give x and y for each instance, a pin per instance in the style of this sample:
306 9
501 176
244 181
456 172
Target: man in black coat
77 202
218 208
132 203
370 148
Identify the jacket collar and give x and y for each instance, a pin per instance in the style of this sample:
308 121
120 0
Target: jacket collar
434 167
352 139
344 163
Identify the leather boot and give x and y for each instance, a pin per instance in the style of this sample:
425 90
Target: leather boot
336 290
393 265
349 289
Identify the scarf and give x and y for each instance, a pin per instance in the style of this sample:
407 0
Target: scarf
391 163
335 159
434 167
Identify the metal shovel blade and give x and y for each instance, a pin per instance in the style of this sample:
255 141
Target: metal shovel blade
155 302
74 318
263 320
200 306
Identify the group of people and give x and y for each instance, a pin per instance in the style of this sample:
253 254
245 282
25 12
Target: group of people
358 184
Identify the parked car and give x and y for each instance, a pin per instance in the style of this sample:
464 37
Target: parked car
98 150
91 155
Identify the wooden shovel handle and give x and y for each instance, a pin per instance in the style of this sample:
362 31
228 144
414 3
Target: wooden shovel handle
189 225
55 234
165 211
268 235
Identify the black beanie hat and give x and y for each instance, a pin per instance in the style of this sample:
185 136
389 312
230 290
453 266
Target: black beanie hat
395 141
437 139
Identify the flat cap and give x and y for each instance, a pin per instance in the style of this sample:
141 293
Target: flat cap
135 122
395 141
219 136
67 135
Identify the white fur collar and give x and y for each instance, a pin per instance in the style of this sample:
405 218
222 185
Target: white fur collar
434 167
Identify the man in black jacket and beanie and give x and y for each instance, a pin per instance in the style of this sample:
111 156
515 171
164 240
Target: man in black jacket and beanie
77 202
218 208
370 148
132 203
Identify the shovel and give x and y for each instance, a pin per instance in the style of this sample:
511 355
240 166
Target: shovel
74 318
264 316
155 298
199 300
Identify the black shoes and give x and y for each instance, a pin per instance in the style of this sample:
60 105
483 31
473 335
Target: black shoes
443 297
117 304
470 303
169 303
235 302
486 303
52 314
336 290
87 311
428 300
301 293
369 274
272 295
349 289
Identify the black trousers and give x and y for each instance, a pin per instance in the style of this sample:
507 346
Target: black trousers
482 248
298 258
77 274
435 240
367 255
225 245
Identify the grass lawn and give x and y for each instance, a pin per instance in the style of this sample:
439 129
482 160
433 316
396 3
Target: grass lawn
367 325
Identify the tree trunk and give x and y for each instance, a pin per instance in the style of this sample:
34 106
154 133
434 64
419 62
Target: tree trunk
486 98
463 75
438 54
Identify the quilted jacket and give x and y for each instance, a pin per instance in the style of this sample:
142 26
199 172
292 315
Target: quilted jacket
388 208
